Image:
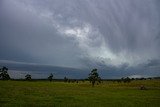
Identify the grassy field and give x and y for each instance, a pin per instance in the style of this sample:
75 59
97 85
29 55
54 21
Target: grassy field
60 94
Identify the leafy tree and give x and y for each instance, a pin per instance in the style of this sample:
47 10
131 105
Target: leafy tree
93 77
28 77
50 78
4 74
126 80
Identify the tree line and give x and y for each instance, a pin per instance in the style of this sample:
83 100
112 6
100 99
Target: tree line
93 77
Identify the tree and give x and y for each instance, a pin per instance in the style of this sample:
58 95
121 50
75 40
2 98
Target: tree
65 79
50 78
93 77
99 79
28 77
4 74
126 80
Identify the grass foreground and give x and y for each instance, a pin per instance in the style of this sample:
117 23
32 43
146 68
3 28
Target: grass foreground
60 94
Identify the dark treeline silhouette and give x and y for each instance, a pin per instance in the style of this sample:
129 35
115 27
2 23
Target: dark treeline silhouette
93 78
72 80
126 80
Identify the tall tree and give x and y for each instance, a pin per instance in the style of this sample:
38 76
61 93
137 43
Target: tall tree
28 77
4 73
93 77
50 78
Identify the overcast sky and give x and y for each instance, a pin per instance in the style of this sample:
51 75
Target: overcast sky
119 37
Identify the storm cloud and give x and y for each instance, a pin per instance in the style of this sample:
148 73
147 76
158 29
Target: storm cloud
119 37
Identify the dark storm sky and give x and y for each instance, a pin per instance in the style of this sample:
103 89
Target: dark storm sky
119 37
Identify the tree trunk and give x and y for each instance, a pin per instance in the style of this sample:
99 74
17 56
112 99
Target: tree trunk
93 82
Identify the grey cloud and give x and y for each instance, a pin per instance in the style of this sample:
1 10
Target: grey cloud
20 69
28 34
119 36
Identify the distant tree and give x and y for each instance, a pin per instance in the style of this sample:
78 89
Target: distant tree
119 81
50 78
142 78
28 77
4 74
126 80
93 77
65 79
133 79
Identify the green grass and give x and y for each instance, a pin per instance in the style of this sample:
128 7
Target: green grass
59 94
